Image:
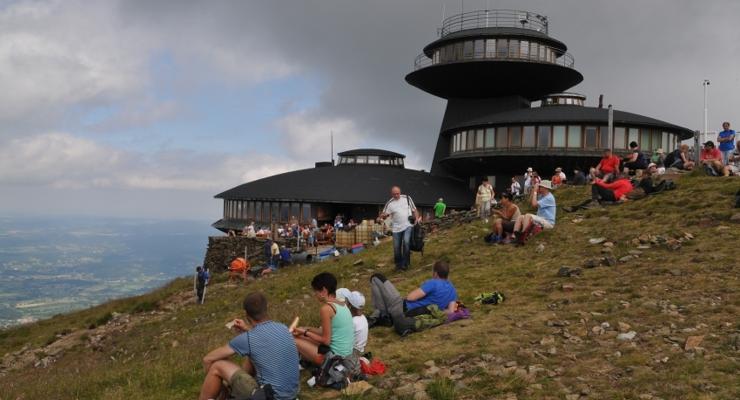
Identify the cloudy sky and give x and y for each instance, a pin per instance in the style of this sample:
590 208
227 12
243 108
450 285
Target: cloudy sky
149 108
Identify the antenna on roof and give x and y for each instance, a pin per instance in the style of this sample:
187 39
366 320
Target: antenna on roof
331 135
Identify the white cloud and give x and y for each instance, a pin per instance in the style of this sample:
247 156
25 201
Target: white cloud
306 136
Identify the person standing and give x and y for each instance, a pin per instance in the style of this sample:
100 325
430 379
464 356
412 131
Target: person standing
403 215
439 208
726 140
270 358
516 188
485 191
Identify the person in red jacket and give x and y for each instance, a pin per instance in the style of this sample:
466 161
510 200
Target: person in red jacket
609 164
613 191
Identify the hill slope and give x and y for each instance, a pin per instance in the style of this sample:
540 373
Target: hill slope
554 337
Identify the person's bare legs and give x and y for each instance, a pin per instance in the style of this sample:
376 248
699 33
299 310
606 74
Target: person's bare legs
220 371
518 224
307 349
499 227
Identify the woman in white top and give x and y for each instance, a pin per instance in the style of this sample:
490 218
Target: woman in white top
356 302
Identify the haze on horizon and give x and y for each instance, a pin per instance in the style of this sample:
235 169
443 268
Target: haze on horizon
149 108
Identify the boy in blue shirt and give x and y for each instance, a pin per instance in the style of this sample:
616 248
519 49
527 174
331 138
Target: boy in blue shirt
726 140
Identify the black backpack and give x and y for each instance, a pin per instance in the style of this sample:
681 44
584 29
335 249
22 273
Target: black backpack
417 239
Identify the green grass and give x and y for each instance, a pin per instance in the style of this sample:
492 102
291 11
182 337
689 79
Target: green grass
158 356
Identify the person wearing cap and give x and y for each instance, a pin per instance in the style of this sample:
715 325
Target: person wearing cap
647 183
356 302
658 158
711 158
613 191
636 160
726 141
439 208
543 200
608 164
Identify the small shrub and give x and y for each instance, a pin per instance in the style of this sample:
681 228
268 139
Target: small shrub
441 389
144 306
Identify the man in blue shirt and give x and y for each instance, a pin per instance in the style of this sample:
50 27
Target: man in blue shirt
390 307
270 358
544 202
726 140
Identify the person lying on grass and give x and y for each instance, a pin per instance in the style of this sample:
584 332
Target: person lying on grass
270 358
336 333
392 309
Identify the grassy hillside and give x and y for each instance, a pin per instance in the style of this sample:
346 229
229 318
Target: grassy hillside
555 337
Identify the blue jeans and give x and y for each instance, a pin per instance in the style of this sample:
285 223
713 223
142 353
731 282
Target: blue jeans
726 156
401 251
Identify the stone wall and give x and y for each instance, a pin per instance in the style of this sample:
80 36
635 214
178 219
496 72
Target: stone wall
223 249
451 219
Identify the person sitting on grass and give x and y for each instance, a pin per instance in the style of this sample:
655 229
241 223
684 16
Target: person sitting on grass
635 160
505 218
544 202
336 333
270 358
615 191
648 182
679 159
733 168
238 269
711 158
609 164
392 309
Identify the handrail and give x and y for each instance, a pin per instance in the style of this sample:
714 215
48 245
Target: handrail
566 60
494 18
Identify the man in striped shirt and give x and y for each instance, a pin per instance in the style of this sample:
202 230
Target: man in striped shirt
270 358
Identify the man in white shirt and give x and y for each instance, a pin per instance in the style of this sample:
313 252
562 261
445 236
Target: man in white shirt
400 208
485 191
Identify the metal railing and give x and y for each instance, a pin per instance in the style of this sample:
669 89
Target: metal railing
493 18
566 60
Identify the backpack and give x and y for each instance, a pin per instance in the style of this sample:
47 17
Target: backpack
669 159
417 239
334 372
737 199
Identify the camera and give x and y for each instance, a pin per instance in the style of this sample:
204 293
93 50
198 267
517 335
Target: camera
412 219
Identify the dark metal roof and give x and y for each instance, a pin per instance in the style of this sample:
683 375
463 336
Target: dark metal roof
468 115
371 152
356 184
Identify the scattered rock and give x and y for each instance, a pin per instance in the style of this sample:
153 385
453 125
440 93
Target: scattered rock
597 240
510 364
430 363
623 326
540 248
693 342
598 293
608 244
635 253
609 261
735 218
568 287
626 337
568 271
591 263
380 265
358 262
357 388
607 250
175 343
626 259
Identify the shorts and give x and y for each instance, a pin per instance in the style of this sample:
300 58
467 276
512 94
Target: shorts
508 226
545 224
242 385
733 169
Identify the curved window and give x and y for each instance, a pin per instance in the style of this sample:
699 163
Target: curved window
574 136
645 144
528 136
479 139
513 48
558 136
515 136
657 141
471 140
502 48
666 147
604 137
533 50
502 137
490 48
467 50
479 49
634 136
490 137
543 137
590 137
620 137
524 49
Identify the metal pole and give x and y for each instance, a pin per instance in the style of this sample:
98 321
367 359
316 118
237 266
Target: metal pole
696 146
331 134
706 113
611 127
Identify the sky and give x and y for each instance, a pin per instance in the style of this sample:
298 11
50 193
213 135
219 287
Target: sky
150 108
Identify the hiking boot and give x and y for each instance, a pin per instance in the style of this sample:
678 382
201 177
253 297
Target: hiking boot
379 321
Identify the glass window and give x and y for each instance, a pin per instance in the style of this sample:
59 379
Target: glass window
502 137
590 137
456 140
250 210
529 138
604 137
258 211
306 213
533 49
657 141
372 159
468 49
435 57
362 159
471 140
666 147
295 210
645 139
458 51
515 133
452 144
479 139
558 136
514 48
463 140
490 48
543 137
620 137
634 136
574 136
543 53
275 217
479 50
490 137
502 48
524 49
284 212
